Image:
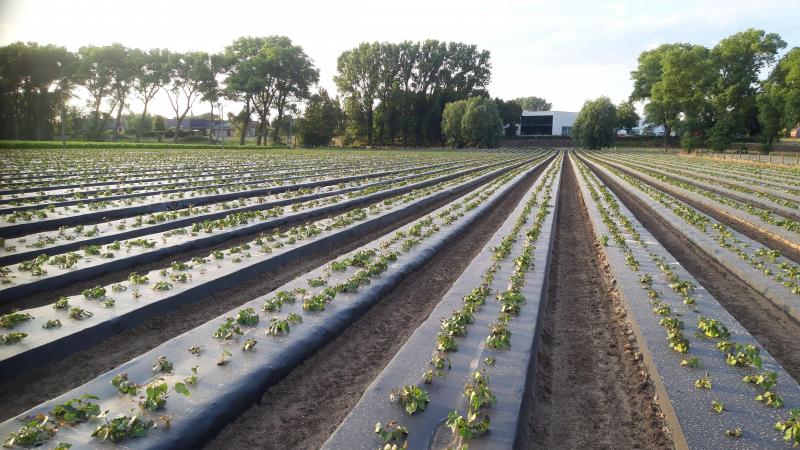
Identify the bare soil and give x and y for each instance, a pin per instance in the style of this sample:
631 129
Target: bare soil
18 394
303 409
773 329
591 389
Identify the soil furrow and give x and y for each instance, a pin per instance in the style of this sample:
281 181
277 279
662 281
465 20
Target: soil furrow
772 328
590 390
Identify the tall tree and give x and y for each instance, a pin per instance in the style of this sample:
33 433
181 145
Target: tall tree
153 73
627 117
191 73
533 104
779 98
96 69
510 113
321 121
295 74
596 123
358 78
738 60
124 68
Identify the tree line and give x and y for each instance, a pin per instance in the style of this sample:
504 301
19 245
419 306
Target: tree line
391 93
706 96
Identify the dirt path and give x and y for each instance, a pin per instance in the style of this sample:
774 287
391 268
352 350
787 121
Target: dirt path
589 392
772 328
306 407
19 394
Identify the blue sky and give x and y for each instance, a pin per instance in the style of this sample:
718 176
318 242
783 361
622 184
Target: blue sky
565 51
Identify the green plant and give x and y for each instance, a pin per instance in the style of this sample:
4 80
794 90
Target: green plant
156 396
474 425
735 433
712 328
33 433
247 316
77 410
228 329
51 323
478 393
162 285
79 313
135 278
120 381
12 319
95 292
692 362
391 432
499 336
163 365
766 380
12 338
192 379
224 358
790 427
704 382
717 406
61 303
123 427
249 344
770 398
411 397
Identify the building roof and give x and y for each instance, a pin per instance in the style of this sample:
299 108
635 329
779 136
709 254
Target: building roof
547 113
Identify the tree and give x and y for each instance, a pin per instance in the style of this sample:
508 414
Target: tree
533 104
321 121
96 69
358 77
595 126
295 74
738 60
124 69
720 136
153 73
627 117
779 98
474 122
452 116
192 74
510 113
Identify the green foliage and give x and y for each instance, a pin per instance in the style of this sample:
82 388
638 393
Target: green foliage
595 126
33 433
627 117
77 410
12 319
322 119
411 397
533 104
123 427
790 427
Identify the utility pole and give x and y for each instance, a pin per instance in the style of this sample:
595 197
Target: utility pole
219 127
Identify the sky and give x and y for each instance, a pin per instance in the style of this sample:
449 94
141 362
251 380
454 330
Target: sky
565 51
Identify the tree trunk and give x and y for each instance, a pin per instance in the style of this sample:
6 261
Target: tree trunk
211 125
277 127
245 122
119 120
63 121
369 125
141 123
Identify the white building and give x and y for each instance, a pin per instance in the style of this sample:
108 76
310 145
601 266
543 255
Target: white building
546 123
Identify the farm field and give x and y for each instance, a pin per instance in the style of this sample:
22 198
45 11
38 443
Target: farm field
357 299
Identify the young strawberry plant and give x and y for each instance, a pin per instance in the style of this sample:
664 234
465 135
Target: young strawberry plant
12 319
411 397
790 427
163 365
95 292
12 338
120 381
228 330
123 427
77 410
33 433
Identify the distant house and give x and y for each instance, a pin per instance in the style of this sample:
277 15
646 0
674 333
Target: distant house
219 129
546 123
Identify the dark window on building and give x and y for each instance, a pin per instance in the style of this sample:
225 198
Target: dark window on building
566 131
536 125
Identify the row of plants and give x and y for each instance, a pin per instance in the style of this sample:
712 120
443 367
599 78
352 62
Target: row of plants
708 183
96 255
717 172
764 215
476 422
766 261
243 208
282 311
199 268
744 356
